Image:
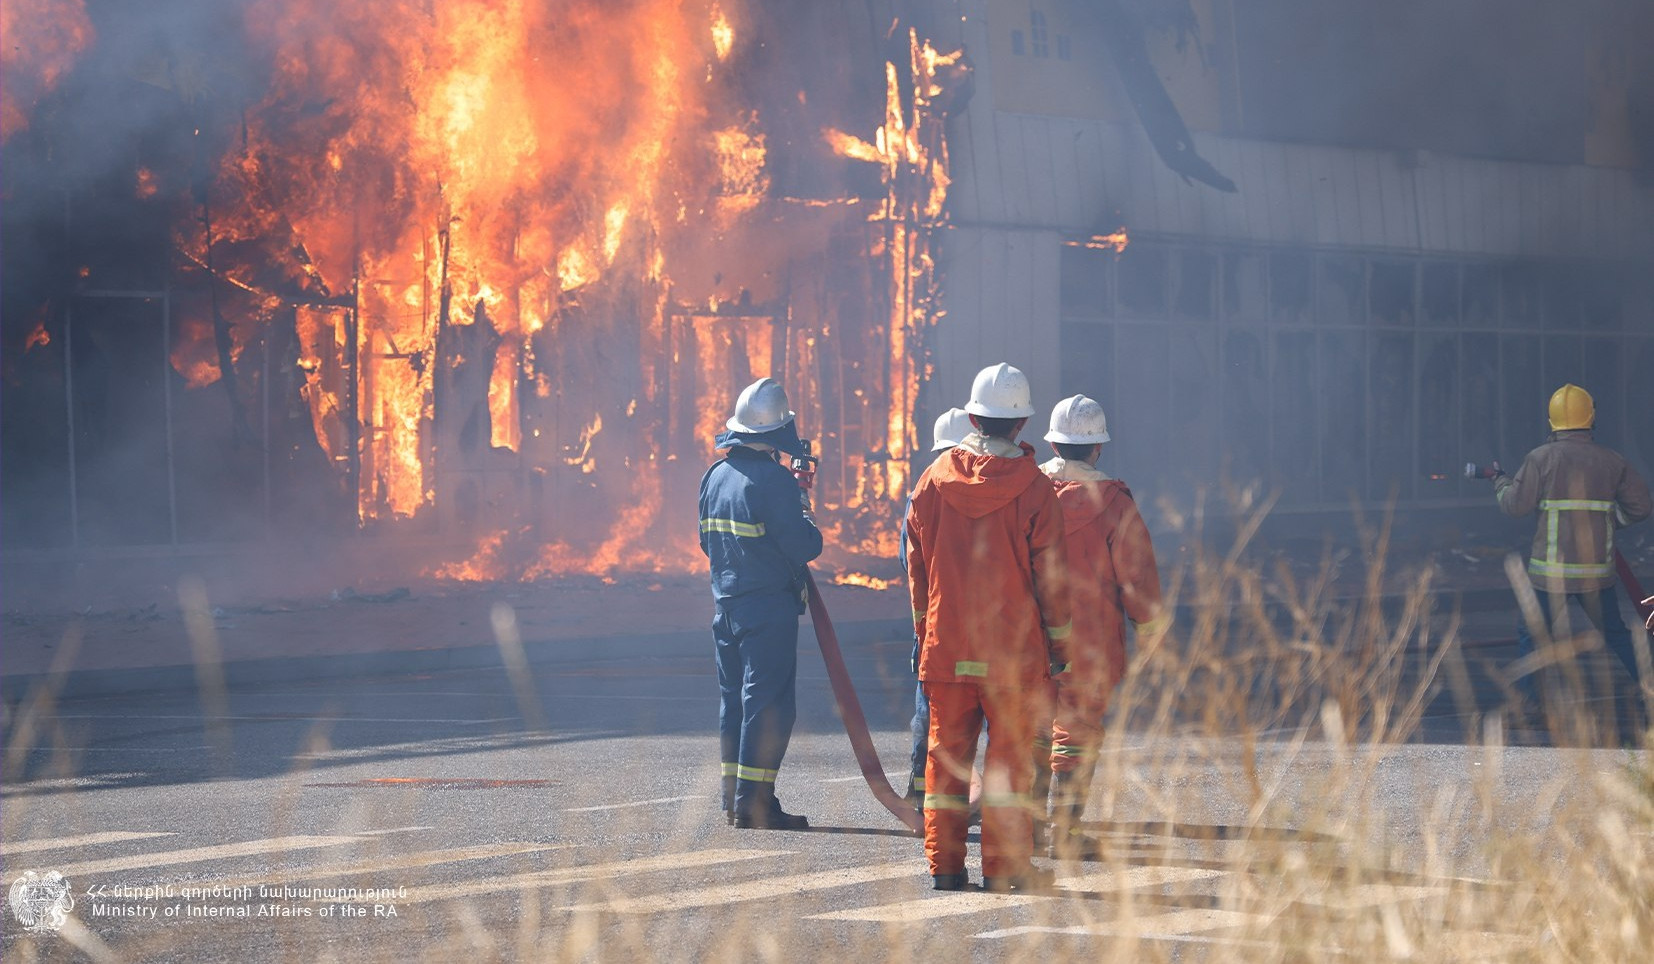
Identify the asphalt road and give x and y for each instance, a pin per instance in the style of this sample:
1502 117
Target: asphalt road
598 835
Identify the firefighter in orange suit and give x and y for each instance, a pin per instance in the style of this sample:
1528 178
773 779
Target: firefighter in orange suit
984 556
1112 576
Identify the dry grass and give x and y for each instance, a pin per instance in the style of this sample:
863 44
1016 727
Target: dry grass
1265 801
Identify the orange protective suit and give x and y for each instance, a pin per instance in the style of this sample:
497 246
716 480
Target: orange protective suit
1111 575
985 551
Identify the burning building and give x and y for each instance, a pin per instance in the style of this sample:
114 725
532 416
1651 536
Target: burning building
480 278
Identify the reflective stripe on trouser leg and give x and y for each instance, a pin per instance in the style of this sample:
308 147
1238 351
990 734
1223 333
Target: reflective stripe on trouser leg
726 793
955 723
1078 732
766 640
1007 777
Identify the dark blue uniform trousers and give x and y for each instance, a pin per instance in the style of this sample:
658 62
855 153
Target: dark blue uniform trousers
757 653
1602 608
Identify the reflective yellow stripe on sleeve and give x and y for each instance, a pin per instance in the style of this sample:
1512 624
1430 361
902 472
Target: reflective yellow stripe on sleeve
1154 626
1059 633
734 527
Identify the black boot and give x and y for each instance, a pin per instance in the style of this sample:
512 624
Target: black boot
1037 879
728 798
957 881
758 809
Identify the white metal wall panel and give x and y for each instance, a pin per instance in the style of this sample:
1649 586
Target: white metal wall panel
1021 170
1003 305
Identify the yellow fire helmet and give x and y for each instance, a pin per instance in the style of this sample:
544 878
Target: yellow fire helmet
1572 408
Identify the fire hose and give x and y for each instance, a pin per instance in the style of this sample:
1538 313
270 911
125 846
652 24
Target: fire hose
849 710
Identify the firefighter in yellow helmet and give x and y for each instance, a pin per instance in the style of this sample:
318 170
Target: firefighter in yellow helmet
1583 492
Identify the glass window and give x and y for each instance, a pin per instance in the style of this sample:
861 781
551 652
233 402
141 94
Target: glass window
1193 285
1041 40
1016 43
1561 293
1603 295
1481 296
1193 379
1440 308
1391 293
1440 458
1293 406
1087 282
1142 279
1246 407
1525 397
1479 404
1342 412
1390 376
1520 284
1340 292
1290 283
1063 50
1244 290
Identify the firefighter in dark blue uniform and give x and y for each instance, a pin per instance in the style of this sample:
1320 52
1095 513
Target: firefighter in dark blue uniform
757 532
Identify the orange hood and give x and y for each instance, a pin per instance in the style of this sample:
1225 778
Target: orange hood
975 484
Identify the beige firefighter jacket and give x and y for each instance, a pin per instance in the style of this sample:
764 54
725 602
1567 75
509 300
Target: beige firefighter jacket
1583 492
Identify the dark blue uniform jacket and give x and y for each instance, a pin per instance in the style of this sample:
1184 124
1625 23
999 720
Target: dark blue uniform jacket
753 527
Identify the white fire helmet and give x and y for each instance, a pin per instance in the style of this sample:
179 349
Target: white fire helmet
951 428
1000 391
762 407
1078 421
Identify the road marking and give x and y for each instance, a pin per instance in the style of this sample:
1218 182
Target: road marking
929 908
768 888
429 858
572 875
83 840
195 855
1177 925
635 803
381 833
1372 895
1135 878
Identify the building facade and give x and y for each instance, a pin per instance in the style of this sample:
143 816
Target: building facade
1427 237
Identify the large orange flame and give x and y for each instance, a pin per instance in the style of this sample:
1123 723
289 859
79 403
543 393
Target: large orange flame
39 40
